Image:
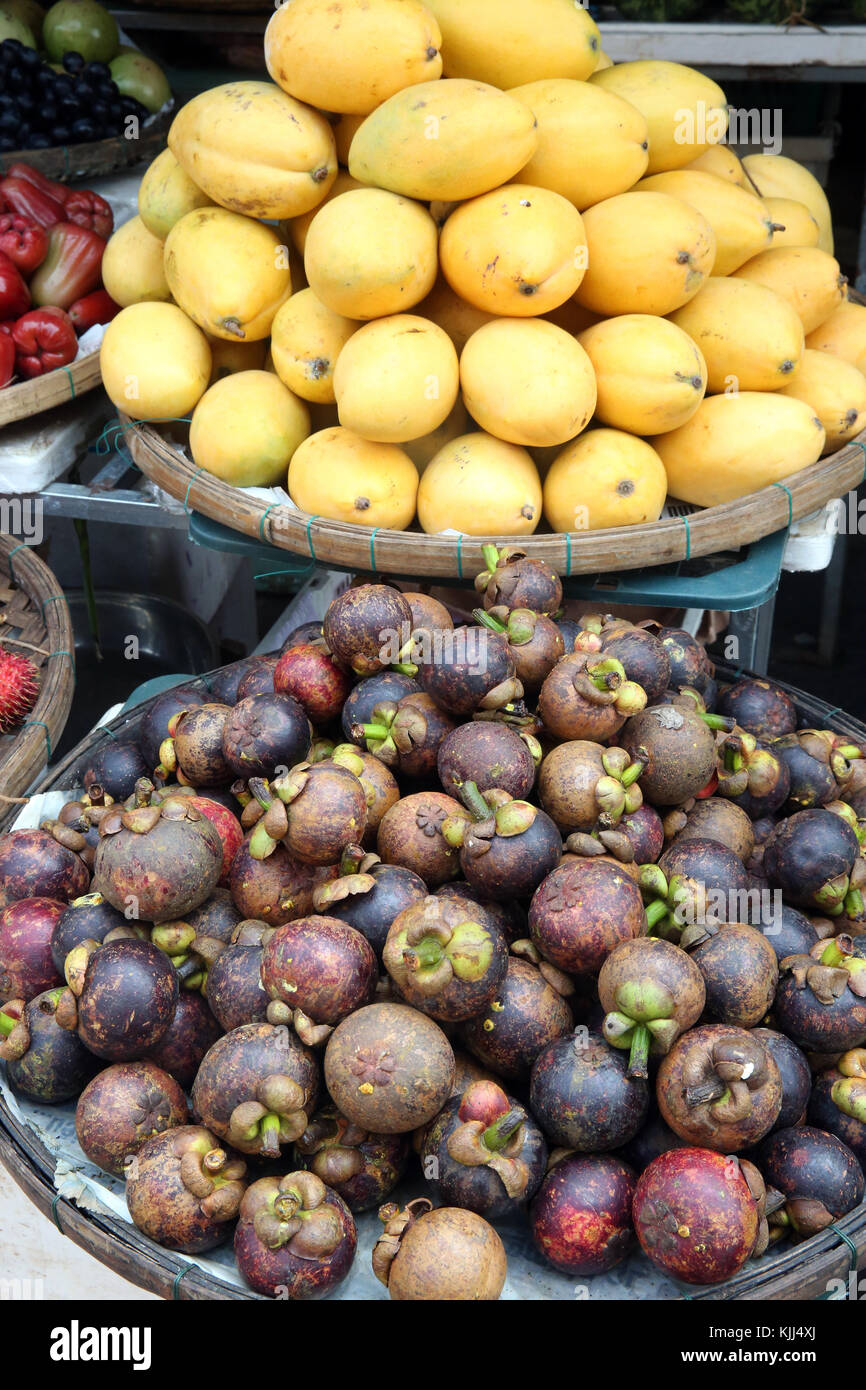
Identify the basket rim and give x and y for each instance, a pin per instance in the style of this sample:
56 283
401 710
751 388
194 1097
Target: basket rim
93 156
28 398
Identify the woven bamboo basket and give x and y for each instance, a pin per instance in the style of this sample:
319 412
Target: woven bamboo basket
28 398
34 613
67 162
789 1273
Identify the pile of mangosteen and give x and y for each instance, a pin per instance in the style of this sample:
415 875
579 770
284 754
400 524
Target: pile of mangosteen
532 912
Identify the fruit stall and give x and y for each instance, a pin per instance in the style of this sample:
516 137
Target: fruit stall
412 883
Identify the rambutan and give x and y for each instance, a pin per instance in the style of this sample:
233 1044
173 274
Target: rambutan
19 689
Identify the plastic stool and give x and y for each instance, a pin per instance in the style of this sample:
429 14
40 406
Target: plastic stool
268 561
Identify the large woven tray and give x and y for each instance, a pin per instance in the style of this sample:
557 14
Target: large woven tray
28 398
67 162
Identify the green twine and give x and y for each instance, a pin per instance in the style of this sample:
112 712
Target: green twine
41 726
568 554
53 598
264 518
852 1248
373 548
57 1198
188 486
14 551
685 521
175 1290
71 382
310 521
459 555
787 490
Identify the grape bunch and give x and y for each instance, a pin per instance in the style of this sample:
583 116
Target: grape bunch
41 107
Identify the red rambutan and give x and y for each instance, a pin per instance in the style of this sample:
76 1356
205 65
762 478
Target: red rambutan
19 689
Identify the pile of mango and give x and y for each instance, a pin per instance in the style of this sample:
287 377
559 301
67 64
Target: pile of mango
453 265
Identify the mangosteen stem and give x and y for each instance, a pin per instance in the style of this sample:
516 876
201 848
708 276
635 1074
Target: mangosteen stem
497 1134
707 1091
832 955
486 620
632 773
269 1130
605 675
490 556
654 913
404 668
639 1054
371 730
717 721
854 903
187 967
7 1023
474 801
425 954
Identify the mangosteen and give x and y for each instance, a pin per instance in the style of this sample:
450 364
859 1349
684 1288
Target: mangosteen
44 1062
367 627
740 971
795 1073
821 999
588 697
295 1237
26 964
719 1087
316 971
193 748
305 632
700 1215
410 835
157 862
34 865
837 1103
509 917
817 1174
810 856
121 997
490 754
258 679
361 1167
582 911
581 1217
535 641
87 918
123 1107
644 658
789 932
116 768
310 675
183 1189
257 1087
651 993
381 791
263 733
443 960
484 1152
760 707
277 889
653 1139
645 830
368 895
233 988
569 630
223 684
752 775
407 735
508 847
528 1011
474 671
191 1033
717 819
582 785
367 694
438 1254
680 752
695 881
582 1096
153 728
389 1068
689 663
316 810
513 579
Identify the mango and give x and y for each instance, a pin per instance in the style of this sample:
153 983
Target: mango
591 143
229 273
422 450
721 161
166 193
806 276
299 226
254 150
396 379
480 486
836 391
650 375
741 223
647 253
736 444
527 381
519 251
369 253
793 223
775 175
604 478
843 333
686 111
337 474
350 55
344 134
228 357
508 42
155 362
306 339
459 318
752 339
246 428
132 265
451 139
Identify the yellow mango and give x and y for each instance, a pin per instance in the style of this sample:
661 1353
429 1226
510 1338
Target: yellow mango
371 253
480 486
337 474
132 265
721 161
519 251
459 318
422 450
350 55
736 444
775 175
508 42
752 339
793 223
396 379
306 339
229 273
604 478
650 375
228 357
591 143
527 381
246 428
741 223
445 140
806 276
686 112
843 333
166 193
299 226
647 253
836 391
155 362
254 150
344 134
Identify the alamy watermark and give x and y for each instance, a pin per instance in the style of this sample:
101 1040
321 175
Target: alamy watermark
713 125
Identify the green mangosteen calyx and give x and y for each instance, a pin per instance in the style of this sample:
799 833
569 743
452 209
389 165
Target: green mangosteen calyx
722 1074
645 1014
673 904
14 1029
213 1177
355 878
276 1116
435 952
395 729
191 955
491 1132
494 813
743 766
829 969
293 1211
